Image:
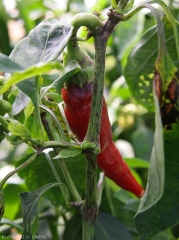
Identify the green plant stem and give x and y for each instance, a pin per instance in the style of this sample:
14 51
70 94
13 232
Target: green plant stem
3 122
56 176
161 33
62 135
70 133
37 108
8 224
55 145
93 131
109 199
114 4
101 33
70 183
101 36
30 160
90 205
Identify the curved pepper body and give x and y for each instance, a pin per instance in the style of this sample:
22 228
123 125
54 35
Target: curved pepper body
77 106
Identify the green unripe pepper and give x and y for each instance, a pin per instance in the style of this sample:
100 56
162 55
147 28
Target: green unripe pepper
5 107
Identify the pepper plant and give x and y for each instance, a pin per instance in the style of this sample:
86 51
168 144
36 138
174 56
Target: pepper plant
63 120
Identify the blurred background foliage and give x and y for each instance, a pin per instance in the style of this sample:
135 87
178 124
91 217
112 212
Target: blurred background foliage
133 126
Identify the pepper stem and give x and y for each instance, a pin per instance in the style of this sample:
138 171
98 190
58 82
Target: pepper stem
98 86
101 36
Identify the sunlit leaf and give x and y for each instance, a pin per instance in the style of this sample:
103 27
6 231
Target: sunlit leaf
13 139
38 69
43 44
12 203
69 152
136 162
18 129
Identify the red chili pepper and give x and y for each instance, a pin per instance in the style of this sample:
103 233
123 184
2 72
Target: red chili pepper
77 107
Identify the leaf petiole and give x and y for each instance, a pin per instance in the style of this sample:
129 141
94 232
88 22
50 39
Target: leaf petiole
168 13
63 137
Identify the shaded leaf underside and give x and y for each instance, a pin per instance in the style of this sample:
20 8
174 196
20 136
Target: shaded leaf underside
164 213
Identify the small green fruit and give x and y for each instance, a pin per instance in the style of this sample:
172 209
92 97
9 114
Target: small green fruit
5 107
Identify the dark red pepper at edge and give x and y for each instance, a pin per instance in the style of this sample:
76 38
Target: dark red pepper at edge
77 105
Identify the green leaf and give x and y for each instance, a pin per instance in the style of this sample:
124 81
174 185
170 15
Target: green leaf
18 129
166 82
20 102
71 232
139 71
28 111
128 30
108 227
43 44
166 68
71 68
164 214
14 140
32 71
124 205
29 202
7 65
12 202
114 3
39 173
68 152
142 141
136 162
155 186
